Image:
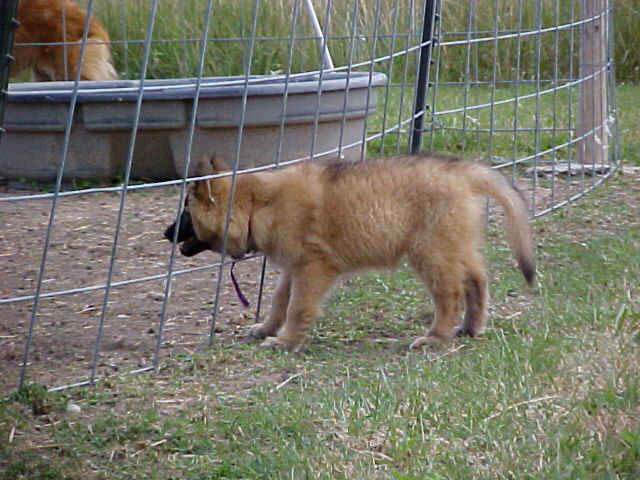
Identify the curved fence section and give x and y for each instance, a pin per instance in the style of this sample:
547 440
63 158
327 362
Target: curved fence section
94 171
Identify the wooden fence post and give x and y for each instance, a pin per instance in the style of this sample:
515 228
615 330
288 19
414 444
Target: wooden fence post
592 121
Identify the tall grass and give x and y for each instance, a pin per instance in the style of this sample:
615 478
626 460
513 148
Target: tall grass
179 25
558 51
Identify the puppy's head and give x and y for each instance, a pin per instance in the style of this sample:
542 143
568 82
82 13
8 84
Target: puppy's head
205 214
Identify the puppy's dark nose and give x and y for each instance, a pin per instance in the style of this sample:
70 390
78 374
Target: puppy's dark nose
170 231
185 232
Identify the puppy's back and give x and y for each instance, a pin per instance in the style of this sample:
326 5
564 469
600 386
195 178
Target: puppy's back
373 210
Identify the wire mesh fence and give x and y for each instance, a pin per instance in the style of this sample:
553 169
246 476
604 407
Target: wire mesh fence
95 168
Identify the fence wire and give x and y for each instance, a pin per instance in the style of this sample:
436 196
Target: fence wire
89 286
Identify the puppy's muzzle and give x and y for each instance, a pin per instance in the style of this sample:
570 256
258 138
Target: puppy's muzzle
193 246
185 232
190 245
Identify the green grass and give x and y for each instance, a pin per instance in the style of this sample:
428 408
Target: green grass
179 26
490 131
628 122
550 391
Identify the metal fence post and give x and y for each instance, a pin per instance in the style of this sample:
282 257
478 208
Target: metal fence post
428 27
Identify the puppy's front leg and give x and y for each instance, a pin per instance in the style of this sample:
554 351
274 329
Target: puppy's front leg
278 312
308 288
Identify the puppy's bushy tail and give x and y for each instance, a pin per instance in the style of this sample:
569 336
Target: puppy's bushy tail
486 181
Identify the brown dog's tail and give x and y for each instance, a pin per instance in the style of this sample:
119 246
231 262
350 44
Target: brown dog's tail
488 182
98 63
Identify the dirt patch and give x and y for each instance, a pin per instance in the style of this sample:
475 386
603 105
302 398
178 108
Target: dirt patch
66 327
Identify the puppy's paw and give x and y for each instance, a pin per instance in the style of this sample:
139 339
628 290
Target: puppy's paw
463 331
280 344
429 340
259 331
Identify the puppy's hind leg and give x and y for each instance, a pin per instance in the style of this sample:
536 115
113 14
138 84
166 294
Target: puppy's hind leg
308 287
476 299
443 278
278 312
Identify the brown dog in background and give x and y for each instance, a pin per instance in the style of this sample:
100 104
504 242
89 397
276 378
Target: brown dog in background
319 222
59 21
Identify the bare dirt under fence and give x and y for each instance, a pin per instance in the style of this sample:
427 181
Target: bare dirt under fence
79 256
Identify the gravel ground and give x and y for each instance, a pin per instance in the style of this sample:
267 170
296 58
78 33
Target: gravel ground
66 327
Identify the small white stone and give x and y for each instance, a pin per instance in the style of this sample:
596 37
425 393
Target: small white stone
73 408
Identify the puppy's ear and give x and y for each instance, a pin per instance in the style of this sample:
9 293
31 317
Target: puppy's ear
218 164
203 167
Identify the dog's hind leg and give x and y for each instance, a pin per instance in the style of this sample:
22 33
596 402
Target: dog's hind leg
309 285
443 278
278 312
476 299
